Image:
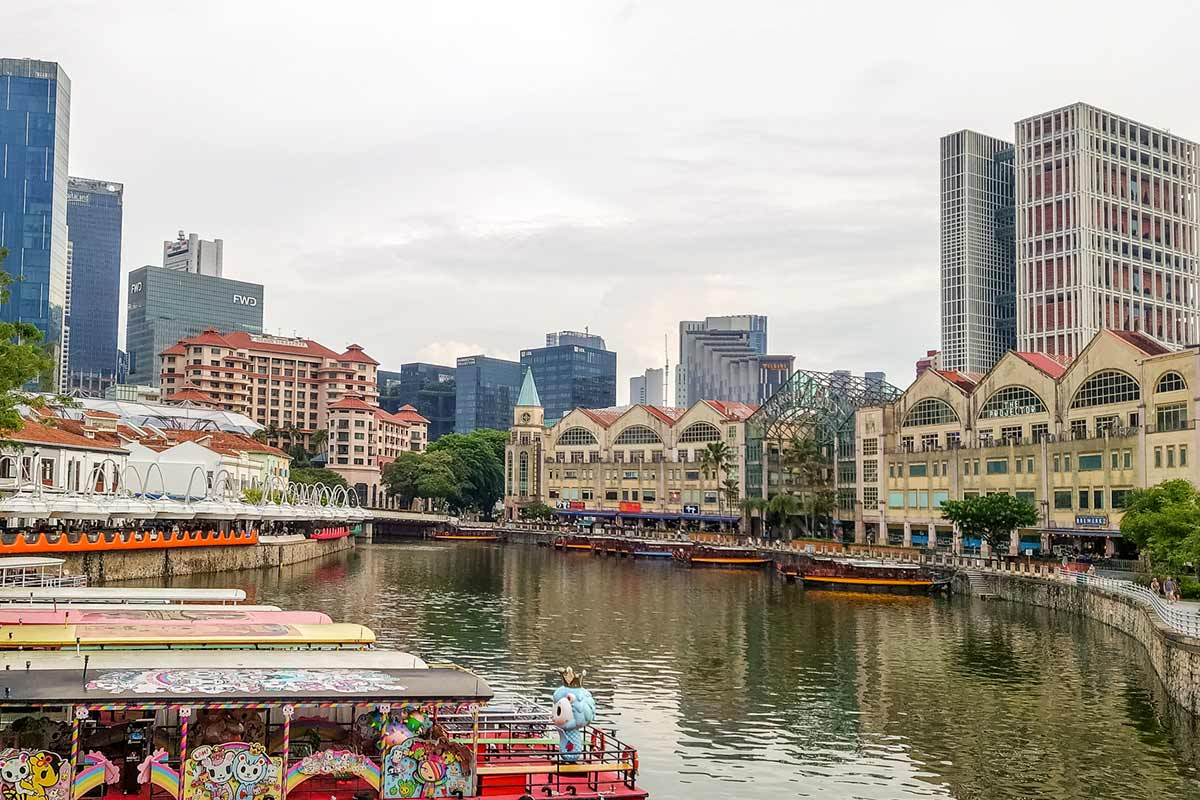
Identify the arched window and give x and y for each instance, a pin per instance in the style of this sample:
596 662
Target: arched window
1012 401
930 411
1105 388
638 434
577 436
700 432
1170 382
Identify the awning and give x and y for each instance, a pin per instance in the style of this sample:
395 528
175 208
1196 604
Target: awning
663 515
1096 533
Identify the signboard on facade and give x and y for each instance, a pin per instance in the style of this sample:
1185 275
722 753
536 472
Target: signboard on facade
630 508
691 509
1091 521
576 505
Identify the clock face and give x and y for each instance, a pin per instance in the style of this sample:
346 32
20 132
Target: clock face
525 417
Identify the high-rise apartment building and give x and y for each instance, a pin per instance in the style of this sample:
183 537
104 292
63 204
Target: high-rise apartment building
94 213
719 359
573 375
647 389
978 272
486 390
165 306
35 121
1106 230
192 254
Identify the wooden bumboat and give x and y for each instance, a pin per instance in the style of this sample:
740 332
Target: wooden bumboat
634 547
704 555
574 541
864 575
467 536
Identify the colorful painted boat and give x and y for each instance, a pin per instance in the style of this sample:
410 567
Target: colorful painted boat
97 541
117 594
864 575
160 615
325 534
706 555
289 730
193 635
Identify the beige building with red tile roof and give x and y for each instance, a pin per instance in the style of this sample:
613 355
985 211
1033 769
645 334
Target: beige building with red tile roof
363 439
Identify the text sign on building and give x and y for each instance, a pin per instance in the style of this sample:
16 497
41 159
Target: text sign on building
691 509
1091 521
630 508
577 505
1011 409
244 300
134 288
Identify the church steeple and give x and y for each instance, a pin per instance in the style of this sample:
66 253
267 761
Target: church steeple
529 393
528 410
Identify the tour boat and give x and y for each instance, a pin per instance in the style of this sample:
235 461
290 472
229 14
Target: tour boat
863 575
160 615
573 541
283 727
705 555
39 571
117 594
467 536
645 548
193 635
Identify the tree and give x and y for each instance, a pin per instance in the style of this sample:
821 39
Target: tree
537 511
23 359
753 508
311 475
784 507
402 476
715 460
809 477
1164 522
991 517
478 465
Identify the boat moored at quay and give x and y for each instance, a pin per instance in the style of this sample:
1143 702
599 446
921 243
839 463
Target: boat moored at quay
864 575
707 555
170 708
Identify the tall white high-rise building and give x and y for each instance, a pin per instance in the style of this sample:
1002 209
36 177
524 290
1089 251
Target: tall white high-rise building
706 350
978 280
192 254
1106 230
647 389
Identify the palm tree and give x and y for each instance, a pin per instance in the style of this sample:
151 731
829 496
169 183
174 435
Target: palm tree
715 461
808 475
785 507
752 507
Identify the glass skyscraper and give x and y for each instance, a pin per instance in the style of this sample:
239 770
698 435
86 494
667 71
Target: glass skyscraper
94 211
569 376
168 305
486 390
35 123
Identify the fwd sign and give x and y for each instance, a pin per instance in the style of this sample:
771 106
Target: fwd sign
244 300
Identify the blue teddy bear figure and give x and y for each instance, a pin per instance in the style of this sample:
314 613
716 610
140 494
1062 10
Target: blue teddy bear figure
574 709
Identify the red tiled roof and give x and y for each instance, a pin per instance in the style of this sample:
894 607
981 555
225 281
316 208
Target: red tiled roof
1044 362
602 416
61 434
222 442
355 353
353 401
395 419
91 412
733 411
207 336
243 341
410 414
1142 342
176 349
194 395
963 381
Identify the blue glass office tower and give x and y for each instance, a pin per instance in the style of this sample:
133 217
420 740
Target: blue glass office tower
35 122
94 228
570 376
486 390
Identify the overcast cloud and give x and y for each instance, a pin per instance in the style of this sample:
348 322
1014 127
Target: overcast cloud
434 179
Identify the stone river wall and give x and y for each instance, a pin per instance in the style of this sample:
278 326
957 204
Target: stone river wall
123 565
1174 656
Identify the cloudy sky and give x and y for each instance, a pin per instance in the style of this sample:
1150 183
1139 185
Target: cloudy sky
436 179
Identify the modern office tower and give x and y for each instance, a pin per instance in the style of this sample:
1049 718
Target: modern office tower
571 375
1107 230
192 254
165 306
978 272
486 390
94 211
584 339
875 380
647 389
718 359
35 121
429 388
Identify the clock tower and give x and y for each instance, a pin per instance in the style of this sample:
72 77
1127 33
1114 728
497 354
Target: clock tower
524 452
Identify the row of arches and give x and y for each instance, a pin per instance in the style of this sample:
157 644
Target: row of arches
697 432
1106 387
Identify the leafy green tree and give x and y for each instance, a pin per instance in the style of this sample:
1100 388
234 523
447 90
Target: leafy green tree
991 517
437 479
715 460
311 475
783 508
810 478
753 508
23 359
1164 522
537 511
403 475
478 465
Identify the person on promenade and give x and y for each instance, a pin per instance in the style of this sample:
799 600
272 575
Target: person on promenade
1155 586
1169 589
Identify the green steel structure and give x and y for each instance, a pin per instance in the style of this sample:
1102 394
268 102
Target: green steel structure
812 405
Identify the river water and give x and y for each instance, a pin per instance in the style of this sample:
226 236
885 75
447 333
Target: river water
736 684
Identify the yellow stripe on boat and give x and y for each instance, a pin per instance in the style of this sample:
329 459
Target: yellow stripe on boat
718 560
867 581
148 635
464 538
578 546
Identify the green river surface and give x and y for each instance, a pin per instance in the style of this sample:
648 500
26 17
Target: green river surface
736 684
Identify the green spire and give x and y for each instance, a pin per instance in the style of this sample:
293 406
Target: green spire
529 395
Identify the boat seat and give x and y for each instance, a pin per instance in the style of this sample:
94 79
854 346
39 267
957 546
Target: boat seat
548 769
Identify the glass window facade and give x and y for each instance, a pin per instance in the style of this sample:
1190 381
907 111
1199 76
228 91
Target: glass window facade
35 119
166 305
486 389
94 210
571 376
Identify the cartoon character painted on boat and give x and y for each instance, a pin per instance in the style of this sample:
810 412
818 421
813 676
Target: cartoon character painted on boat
574 709
217 771
432 770
253 769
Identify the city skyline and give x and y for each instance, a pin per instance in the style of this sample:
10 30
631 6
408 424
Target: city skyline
706 211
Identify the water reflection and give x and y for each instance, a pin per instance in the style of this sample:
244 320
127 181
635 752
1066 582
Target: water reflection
735 684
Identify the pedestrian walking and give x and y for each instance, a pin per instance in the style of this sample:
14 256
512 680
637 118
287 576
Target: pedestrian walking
1155 586
1169 589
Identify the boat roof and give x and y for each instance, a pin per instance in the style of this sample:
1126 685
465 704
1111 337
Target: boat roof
195 635
29 562
121 594
161 615
191 686
206 659
161 607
